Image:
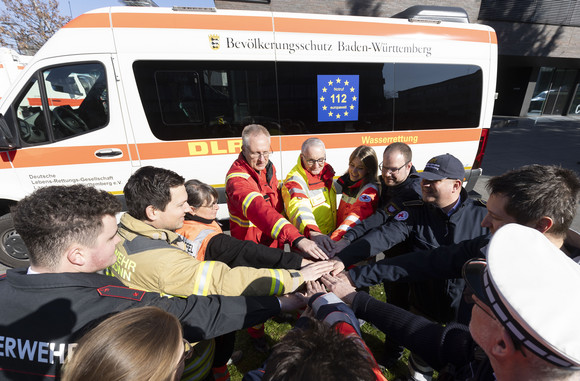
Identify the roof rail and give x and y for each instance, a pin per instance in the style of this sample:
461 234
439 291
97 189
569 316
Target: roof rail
433 13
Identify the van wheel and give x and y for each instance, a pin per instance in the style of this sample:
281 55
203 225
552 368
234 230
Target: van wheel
13 251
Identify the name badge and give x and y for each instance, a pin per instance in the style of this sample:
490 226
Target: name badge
317 200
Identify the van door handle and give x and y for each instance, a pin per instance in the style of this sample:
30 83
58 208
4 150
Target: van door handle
108 153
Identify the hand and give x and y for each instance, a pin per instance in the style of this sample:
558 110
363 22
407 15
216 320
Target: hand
305 262
338 247
313 288
345 276
316 270
292 302
311 249
323 241
337 266
340 288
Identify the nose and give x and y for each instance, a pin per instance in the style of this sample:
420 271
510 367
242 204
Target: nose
485 222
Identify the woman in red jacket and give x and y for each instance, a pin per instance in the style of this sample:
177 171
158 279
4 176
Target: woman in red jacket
360 192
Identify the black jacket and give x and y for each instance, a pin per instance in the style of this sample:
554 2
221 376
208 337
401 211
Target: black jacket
423 227
45 314
449 349
392 198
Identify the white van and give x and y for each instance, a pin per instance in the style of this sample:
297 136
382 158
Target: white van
173 88
11 64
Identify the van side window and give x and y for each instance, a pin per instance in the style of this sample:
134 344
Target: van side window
69 101
202 99
77 98
30 116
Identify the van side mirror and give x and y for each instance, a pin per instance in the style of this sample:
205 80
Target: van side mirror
8 140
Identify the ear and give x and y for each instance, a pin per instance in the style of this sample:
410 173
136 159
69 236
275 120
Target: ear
192 210
503 346
544 224
457 186
151 213
74 255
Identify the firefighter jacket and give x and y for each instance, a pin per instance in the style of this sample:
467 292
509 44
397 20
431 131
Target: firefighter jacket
358 202
200 239
310 201
154 260
255 206
43 315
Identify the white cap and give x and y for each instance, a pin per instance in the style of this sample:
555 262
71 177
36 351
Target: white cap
533 289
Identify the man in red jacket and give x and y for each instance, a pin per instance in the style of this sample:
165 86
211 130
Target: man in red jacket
254 201
255 206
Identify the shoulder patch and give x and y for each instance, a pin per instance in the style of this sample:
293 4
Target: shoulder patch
392 209
121 292
365 198
413 203
402 216
3 276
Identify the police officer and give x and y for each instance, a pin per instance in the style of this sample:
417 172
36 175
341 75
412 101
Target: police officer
523 325
444 217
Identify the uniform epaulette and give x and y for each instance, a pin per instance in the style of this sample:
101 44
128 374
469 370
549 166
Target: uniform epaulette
413 203
481 201
121 292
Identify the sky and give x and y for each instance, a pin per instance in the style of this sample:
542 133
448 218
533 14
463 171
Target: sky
73 8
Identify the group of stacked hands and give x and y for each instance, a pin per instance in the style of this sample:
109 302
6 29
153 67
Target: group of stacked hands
459 260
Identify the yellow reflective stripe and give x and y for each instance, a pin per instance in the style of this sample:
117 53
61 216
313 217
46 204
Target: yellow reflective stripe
277 286
248 200
243 223
201 284
199 367
278 227
237 174
348 199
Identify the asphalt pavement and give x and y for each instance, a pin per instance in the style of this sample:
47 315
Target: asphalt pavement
514 142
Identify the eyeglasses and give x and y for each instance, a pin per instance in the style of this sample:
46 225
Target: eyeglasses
392 170
187 351
320 161
187 354
256 155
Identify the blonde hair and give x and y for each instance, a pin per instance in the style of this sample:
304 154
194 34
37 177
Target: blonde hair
133 345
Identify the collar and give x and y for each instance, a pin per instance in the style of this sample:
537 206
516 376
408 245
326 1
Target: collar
454 209
257 174
197 218
139 227
323 179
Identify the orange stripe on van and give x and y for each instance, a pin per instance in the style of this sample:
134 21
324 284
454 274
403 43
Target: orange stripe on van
264 24
294 25
45 156
386 138
184 21
90 20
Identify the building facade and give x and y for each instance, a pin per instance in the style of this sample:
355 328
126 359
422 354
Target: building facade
539 44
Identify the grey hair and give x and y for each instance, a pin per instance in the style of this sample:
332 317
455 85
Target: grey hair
252 130
311 142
